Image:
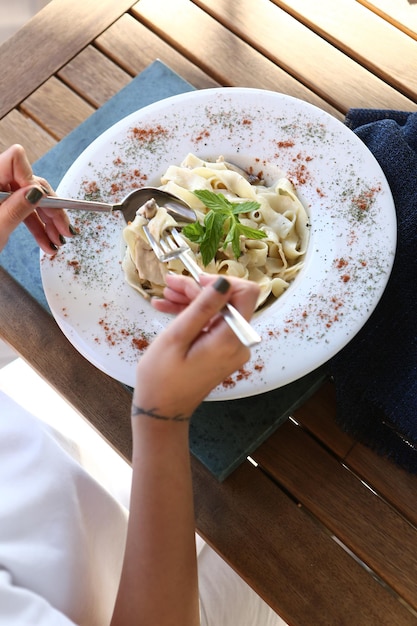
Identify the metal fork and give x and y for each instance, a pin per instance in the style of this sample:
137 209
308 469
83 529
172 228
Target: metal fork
173 246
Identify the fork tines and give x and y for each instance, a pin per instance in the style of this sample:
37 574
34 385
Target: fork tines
169 246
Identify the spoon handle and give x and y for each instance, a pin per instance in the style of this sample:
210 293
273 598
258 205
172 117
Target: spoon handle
68 203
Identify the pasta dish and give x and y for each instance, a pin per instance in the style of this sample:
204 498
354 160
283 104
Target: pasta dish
270 228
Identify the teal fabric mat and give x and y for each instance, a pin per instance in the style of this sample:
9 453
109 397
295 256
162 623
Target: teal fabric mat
223 433
21 255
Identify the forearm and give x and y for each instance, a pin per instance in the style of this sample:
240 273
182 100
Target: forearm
159 578
194 354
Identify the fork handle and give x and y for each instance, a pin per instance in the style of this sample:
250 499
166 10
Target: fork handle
240 326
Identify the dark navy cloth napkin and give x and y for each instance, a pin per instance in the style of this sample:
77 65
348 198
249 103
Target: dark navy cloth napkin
376 374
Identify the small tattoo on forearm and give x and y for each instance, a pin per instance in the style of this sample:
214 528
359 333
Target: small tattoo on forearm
137 410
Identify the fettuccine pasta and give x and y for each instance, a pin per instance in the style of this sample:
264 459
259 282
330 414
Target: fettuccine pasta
273 262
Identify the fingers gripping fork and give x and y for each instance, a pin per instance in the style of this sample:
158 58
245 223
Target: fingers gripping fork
172 246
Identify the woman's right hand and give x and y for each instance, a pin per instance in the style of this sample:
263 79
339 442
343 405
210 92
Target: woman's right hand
197 350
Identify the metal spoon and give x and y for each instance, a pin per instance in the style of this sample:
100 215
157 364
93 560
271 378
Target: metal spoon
176 207
253 179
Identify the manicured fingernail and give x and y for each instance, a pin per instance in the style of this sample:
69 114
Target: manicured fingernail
72 230
62 239
34 195
46 191
221 285
53 246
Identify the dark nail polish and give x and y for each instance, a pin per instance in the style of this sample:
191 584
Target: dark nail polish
221 285
72 230
62 239
53 246
34 195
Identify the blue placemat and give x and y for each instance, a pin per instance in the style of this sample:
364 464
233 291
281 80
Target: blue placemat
223 433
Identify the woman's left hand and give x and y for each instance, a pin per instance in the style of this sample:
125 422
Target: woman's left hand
48 226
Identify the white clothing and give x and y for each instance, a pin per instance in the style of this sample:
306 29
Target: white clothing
62 537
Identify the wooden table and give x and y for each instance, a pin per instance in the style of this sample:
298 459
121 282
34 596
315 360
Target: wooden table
321 527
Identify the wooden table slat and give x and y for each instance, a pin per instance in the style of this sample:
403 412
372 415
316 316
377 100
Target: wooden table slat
401 14
18 128
288 558
374 531
66 28
370 40
391 482
56 108
340 80
133 47
250 67
317 416
94 77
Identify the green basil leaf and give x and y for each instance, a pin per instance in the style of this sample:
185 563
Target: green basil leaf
244 207
221 224
194 232
213 201
250 233
236 242
231 233
213 223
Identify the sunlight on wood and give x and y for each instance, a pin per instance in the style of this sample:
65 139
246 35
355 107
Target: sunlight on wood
401 13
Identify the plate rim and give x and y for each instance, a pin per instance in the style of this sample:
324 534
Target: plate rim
165 103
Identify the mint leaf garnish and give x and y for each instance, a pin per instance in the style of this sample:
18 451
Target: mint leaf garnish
221 225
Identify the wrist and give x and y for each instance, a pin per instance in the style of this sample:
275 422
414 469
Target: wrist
160 423
154 413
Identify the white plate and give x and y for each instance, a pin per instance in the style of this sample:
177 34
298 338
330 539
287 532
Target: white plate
350 254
